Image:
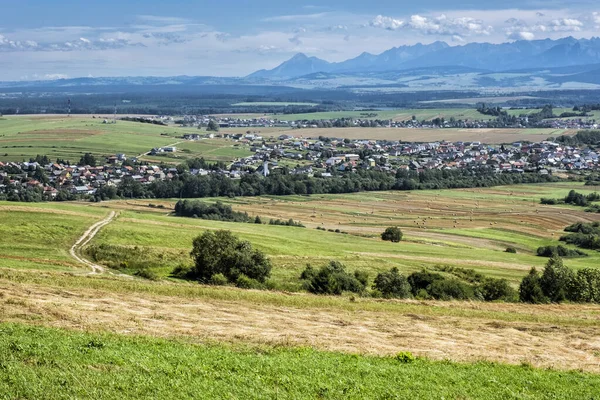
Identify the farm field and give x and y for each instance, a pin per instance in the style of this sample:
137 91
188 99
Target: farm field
484 135
396 115
71 137
441 228
103 317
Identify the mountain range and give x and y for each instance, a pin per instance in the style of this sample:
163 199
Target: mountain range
521 54
521 66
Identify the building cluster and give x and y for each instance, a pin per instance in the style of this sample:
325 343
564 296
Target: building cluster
369 122
308 156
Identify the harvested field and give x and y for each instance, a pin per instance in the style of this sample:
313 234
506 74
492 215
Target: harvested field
563 337
491 136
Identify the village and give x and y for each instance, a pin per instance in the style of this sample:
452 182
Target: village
286 154
368 121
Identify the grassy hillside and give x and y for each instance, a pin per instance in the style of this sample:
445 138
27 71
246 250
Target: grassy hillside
71 137
440 228
54 364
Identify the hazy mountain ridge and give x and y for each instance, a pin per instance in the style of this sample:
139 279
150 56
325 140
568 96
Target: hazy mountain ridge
545 53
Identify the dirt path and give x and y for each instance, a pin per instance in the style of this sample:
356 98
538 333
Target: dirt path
85 239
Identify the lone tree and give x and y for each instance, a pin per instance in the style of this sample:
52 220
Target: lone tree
212 126
221 252
392 234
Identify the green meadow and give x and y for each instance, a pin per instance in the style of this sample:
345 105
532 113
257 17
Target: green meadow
58 364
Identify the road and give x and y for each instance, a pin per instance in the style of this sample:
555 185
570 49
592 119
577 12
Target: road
85 239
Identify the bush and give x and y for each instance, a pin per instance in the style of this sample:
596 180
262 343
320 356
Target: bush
392 234
422 281
559 251
221 252
405 357
392 284
511 250
146 273
215 212
530 289
332 279
497 289
218 280
450 289
244 282
182 271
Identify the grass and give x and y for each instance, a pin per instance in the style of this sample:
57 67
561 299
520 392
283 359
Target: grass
55 364
440 228
71 137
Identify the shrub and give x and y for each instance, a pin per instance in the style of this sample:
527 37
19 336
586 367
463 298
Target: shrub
221 252
218 280
182 271
332 279
511 250
215 212
392 234
146 273
530 289
560 251
244 282
405 357
450 289
392 284
422 280
497 289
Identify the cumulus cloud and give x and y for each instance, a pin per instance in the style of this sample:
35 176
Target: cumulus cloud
15 45
388 23
521 35
442 25
565 25
8 45
518 29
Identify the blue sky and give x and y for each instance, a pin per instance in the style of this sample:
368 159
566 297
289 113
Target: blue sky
42 39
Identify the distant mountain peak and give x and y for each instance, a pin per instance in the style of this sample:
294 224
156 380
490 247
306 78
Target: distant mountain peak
486 56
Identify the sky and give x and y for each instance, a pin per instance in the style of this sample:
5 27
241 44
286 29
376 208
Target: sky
53 39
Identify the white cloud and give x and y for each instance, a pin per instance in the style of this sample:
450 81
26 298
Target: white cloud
388 23
523 35
163 20
442 25
596 17
296 18
566 25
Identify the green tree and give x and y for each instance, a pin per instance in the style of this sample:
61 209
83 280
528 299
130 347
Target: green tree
212 126
556 280
392 234
221 252
87 159
530 290
392 284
